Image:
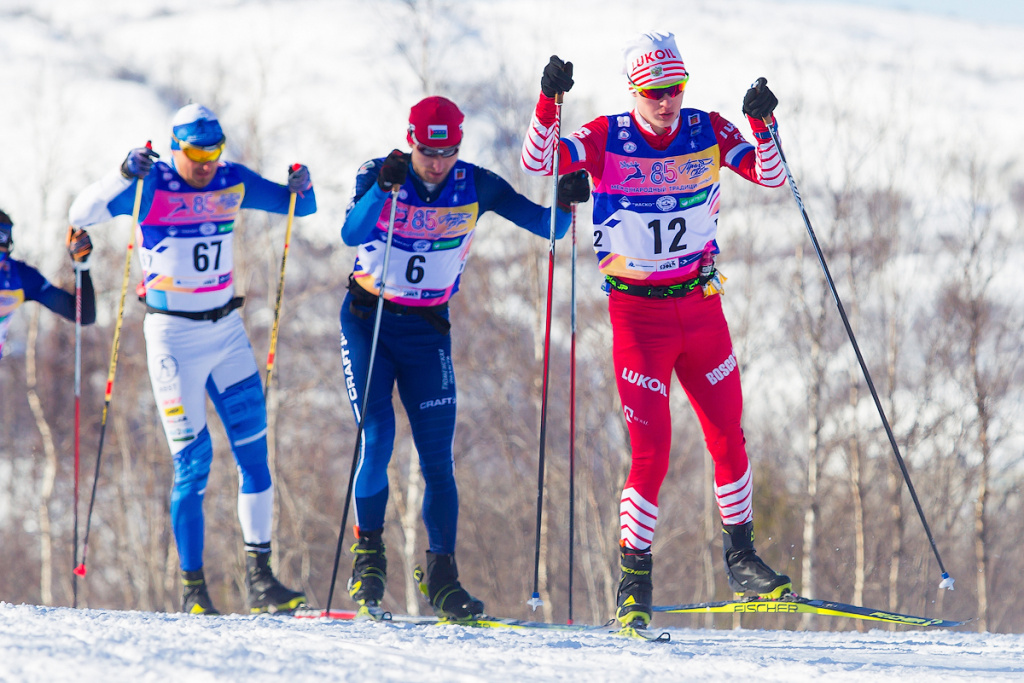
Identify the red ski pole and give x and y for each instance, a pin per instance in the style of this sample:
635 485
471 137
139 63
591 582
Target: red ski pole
80 569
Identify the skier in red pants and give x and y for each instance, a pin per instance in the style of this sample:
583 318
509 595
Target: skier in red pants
656 194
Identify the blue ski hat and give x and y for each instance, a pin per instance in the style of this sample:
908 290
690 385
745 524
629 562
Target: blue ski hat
195 126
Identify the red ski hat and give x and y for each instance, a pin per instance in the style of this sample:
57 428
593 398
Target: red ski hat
653 61
435 122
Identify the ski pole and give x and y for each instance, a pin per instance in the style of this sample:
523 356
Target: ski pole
366 393
572 411
535 600
78 433
947 581
80 570
280 290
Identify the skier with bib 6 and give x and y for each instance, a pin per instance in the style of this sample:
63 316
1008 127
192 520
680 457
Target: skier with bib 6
440 198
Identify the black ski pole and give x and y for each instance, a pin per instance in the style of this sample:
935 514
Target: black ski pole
366 392
535 600
947 581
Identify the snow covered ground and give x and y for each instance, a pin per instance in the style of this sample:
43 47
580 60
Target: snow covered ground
57 644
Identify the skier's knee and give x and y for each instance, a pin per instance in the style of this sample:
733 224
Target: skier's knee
192 465
253 471
244 412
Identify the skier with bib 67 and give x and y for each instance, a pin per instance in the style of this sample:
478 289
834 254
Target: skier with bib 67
655 171
196 344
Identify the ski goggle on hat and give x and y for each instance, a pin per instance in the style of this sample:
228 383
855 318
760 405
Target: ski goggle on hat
196 131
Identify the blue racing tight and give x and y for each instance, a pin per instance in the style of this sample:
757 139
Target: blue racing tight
415 355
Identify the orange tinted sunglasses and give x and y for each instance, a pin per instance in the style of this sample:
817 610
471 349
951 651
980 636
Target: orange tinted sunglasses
201 155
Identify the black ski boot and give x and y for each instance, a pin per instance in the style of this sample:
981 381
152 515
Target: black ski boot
264 593
746 571
442 588
195 599
635 588
369 572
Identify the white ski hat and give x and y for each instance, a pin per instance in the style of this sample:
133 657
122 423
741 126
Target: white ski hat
196 126
653 61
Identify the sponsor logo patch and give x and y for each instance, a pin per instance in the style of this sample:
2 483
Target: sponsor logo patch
438 402
722 371
168 368
666 203
644 382
694 200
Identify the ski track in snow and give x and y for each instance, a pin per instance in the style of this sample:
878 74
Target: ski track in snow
59 643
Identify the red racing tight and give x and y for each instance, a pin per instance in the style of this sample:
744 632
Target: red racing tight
650 339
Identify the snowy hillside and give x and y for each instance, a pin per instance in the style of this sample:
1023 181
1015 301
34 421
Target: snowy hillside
322 81
57 644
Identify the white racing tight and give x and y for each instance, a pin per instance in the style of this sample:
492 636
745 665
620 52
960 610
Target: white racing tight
188 360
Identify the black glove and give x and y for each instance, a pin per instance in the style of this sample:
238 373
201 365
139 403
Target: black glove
79 244
557 77
573 188
394 170
139 162
759 102
298 178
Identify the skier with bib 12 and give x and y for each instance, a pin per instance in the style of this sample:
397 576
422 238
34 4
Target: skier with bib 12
655 171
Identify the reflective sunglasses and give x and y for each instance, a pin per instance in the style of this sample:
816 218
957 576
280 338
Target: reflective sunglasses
666 91
445 152
201 155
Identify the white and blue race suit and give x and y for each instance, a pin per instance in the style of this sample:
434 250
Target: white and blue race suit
432 234
185 248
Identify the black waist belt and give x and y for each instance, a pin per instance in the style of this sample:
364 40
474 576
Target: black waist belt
432 314
657 291
212 315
